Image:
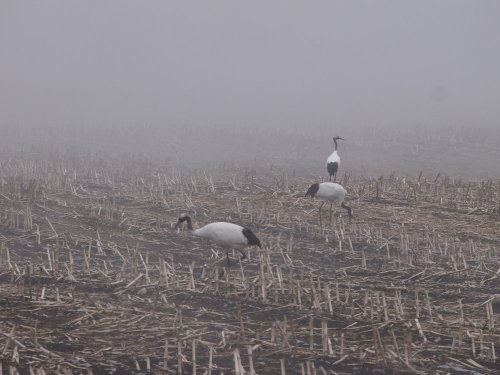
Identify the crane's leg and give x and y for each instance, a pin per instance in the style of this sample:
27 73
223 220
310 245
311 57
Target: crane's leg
330 178
222 272
320 219
331 204
334 177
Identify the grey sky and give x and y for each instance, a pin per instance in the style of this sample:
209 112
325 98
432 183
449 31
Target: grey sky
250 63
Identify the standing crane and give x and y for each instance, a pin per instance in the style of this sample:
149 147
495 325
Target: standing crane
333 161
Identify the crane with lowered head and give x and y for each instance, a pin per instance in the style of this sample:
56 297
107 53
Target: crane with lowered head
329 192
224 234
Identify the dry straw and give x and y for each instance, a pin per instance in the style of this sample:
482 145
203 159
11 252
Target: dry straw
93 277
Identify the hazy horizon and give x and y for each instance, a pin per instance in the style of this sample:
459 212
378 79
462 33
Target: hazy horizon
227 63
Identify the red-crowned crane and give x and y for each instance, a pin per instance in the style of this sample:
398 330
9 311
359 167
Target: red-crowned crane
333 161
227 235
329 192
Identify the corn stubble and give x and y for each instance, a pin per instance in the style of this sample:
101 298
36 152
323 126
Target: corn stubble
94 279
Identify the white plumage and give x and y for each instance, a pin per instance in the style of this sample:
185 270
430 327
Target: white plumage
224 234
329 192
333 158
333 161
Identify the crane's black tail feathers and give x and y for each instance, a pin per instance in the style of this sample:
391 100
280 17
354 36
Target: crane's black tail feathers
332 168
251 237
313 190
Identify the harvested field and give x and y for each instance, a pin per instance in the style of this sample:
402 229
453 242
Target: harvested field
94 280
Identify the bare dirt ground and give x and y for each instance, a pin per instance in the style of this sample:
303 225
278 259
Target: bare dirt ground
94 280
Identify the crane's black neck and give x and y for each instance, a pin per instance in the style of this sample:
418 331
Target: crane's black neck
335 142
184 218
349 210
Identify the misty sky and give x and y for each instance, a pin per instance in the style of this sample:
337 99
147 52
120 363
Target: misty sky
252 63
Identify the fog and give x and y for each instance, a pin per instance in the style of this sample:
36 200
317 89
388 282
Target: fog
314 68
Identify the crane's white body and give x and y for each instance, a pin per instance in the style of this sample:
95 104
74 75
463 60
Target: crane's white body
333 158
223 234
331 192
